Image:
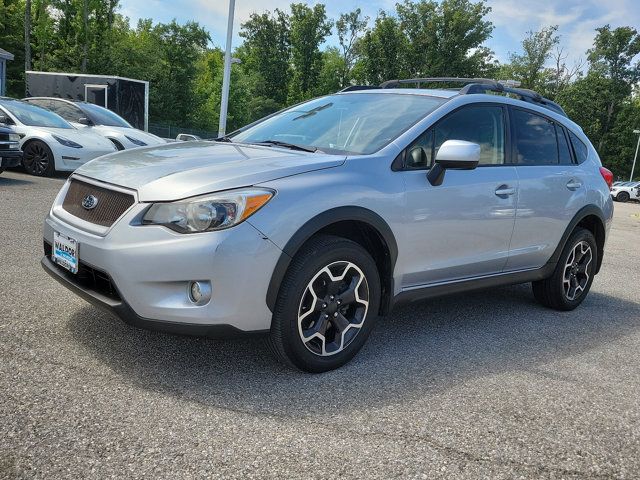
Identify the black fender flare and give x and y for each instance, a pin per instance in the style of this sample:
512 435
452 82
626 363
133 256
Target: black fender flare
583 213
317 223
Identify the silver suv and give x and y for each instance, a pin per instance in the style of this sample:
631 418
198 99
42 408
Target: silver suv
311 223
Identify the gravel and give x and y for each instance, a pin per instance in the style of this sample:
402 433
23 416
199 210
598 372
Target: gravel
478 385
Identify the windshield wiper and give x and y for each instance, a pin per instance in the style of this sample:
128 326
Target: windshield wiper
223 138
292 146
313 111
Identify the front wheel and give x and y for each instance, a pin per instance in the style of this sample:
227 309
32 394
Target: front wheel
327 305
573 275
623 197
38 159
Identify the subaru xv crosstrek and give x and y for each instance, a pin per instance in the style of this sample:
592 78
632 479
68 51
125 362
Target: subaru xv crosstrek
311 223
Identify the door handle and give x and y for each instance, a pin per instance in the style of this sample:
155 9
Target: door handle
574 184
505 191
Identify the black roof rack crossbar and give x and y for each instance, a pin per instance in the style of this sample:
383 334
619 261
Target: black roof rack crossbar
353 88
418 81
523 94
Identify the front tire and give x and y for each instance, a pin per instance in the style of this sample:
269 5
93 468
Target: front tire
623 197
573 275
327 305
38 159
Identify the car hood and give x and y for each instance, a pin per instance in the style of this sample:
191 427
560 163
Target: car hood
184 169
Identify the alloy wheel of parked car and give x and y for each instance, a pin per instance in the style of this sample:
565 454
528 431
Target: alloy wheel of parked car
333 308
327 304
38 159
623 197
573 275
576 270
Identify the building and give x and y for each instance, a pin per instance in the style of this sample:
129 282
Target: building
4 56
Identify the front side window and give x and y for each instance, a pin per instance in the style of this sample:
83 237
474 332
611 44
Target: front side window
535 139
359 123
481 124
34 116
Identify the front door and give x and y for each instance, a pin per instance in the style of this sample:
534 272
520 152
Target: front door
462 228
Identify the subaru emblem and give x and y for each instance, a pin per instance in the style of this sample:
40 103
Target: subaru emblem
89 202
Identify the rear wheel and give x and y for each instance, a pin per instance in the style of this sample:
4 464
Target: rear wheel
38 159
327 305
623 197
573 275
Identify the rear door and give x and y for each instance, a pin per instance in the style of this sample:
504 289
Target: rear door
462 228
551 187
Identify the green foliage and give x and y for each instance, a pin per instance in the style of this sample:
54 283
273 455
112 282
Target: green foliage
12 40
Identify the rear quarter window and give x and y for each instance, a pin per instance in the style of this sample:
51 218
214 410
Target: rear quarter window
579 148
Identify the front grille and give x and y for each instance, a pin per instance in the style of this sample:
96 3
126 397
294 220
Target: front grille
110 207
88 277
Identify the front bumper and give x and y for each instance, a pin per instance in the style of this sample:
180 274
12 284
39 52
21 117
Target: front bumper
10 158
149 269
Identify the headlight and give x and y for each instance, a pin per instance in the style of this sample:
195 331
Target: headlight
14 141
66 142
210 212
136 141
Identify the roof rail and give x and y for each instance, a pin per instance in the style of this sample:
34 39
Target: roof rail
482 85
395 83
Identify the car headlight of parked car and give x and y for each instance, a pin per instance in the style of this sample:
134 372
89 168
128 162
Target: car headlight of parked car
66 142
11 139
135 141
209 212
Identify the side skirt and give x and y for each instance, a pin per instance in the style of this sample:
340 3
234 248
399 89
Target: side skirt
413 294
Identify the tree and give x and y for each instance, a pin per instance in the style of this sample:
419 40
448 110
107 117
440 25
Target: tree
445 39
265 53
612 57
27 35
528 67
309 28
383 52
350 27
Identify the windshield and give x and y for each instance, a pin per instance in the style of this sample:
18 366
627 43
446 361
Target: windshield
102 116
359 123
34 116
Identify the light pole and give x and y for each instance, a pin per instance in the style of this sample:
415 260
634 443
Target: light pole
226 76
633 167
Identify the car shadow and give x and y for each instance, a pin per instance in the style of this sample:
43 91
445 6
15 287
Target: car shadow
417 351
9 181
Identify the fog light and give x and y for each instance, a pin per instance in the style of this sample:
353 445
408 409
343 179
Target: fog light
199 292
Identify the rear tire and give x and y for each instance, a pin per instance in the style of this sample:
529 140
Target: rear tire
623 197
327 305
573 275
38 159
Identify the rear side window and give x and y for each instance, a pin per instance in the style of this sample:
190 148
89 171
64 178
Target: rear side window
579 148
535 139
564 151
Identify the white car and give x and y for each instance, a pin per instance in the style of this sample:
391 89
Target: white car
100 120
48 141
625 191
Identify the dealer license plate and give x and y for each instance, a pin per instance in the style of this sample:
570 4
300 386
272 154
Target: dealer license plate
65 252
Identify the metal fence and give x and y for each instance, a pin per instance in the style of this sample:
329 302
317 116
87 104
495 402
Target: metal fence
171 131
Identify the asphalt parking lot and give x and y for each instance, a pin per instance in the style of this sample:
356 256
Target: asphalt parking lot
481 385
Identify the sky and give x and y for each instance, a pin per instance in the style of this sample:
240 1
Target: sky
577 19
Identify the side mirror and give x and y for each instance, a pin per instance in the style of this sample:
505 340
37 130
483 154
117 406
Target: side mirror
454 155
187 137
85 121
